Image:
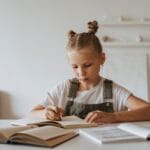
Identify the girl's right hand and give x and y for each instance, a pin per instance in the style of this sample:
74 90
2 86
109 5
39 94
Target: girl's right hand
53 113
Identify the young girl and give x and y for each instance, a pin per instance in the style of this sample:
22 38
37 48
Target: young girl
88 95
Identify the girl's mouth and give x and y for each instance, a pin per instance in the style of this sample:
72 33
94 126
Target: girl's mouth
84 79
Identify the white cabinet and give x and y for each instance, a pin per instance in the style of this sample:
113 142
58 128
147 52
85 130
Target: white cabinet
127 46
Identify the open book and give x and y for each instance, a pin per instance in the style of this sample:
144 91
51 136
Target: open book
48 136
123 132
68 122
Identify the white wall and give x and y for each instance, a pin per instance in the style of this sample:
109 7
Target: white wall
32 44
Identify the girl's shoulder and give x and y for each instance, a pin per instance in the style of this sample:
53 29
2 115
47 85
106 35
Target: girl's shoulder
104 80
61 86
114 83
117 87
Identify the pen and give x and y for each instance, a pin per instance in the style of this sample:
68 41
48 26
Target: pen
56 109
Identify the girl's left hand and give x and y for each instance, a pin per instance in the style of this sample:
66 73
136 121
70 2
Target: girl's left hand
99 117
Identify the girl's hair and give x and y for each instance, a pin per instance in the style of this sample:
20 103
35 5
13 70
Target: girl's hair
85 39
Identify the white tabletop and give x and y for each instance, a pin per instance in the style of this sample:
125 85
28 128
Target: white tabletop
78 143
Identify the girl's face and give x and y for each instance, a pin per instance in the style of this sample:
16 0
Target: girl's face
85 64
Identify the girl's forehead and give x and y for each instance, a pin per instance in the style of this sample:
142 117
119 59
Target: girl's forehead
81 56
85 53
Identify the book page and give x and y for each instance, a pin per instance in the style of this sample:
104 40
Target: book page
61 139
25 138
74 122
7 132
136 129
39 121
27 121
46 132
66 122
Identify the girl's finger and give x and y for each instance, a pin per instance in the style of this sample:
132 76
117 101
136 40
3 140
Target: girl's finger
93 118
87 118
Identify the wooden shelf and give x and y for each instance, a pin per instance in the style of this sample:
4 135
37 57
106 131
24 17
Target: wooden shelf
126 23
132 23
125 44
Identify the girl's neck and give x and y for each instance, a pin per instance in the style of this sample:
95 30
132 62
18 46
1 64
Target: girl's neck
88 86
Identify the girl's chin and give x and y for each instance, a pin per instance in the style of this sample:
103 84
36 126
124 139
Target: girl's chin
84 80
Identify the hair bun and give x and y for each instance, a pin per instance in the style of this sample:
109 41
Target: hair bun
92 27
71 34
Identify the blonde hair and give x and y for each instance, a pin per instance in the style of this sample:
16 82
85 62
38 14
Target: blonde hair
85 39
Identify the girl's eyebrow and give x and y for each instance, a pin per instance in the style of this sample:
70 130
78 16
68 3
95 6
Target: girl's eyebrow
82 63
74 64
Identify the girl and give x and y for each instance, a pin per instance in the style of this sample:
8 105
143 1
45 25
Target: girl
88 95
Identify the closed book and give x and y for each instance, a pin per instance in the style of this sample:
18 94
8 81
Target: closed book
123 132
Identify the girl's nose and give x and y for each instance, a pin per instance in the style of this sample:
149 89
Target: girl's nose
81 72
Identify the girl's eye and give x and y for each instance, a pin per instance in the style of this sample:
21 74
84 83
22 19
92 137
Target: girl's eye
87 65
74 67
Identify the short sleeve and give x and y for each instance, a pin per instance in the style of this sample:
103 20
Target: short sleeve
120 95
49 98
57 95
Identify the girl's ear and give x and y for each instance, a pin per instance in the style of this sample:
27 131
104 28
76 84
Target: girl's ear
103 58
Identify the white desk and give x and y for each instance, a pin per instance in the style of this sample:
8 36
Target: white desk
78 143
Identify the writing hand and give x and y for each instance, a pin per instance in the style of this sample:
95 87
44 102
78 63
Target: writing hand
53 113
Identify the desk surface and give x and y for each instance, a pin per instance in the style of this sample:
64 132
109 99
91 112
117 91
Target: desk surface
78 143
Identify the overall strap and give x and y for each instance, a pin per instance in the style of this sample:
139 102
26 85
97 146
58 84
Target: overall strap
73 88
107 90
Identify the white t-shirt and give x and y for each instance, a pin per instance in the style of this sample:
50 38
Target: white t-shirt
58 95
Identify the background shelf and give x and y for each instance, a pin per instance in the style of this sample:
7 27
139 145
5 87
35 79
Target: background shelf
113 44
125 23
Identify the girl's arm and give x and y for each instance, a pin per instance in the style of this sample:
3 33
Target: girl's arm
37 111
139 110
51 112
